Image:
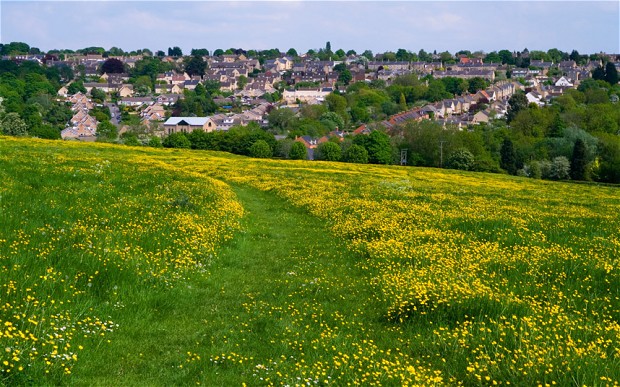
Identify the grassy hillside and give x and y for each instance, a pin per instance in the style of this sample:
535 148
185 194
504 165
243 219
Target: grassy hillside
157 267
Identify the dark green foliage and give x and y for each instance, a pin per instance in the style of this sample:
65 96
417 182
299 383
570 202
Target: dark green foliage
298 151
260 149
199 52
476 84
345 77
176 140
195 66
516 103
106 130
112 66
45 131
609 170
15 48
578 161
328 151
175 51
194 105
611 73
378 146
598 74
356 154
508 160
454 85
97 95
76 87
155 142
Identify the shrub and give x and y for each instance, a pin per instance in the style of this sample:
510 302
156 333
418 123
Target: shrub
328 151
176 140
298 151
155 142
260 150
356 154
461 159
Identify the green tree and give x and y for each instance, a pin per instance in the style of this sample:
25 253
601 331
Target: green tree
13 125
560 168
45 131
112 66
598 74
175 51
155 142
508 160
402 102
242 81
356 154
506 57
516 103
199 52
578 161
107 131
461 159
195 66
281 120
176 140
378 145
476 83
298 151
611 74
332 120
76 87
345 77
98 95
328 151
261 150
292 52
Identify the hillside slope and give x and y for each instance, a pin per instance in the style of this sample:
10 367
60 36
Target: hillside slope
307 272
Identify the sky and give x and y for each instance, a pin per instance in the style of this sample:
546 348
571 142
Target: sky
586 26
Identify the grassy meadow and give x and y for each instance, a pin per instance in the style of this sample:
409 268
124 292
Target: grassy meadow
139 266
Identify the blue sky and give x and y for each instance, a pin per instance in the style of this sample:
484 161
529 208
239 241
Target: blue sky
586 26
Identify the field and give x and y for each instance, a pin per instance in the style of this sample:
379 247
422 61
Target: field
138 266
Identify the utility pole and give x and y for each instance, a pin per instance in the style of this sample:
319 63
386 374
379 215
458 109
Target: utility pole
441 154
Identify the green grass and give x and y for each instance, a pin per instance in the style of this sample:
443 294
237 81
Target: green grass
160 267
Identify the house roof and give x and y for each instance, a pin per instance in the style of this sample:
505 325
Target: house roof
192 121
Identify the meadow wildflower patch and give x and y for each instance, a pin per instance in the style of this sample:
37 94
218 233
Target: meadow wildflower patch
499 279
81 230
334 274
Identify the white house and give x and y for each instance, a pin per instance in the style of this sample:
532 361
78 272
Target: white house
563 82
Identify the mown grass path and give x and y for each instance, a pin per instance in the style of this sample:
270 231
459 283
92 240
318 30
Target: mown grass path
280 295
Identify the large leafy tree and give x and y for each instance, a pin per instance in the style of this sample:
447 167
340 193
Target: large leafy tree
356 154
112 66
175 51
13 125
260 149
378 145
516 103
298 151
195 66
199 52
328 151
611 73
